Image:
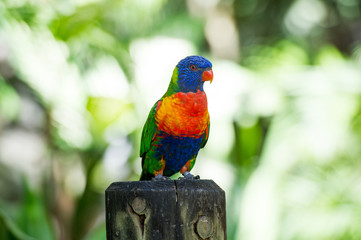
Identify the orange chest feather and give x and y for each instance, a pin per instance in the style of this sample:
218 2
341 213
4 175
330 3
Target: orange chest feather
183 114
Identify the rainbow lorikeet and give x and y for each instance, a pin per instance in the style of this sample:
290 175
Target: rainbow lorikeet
178 123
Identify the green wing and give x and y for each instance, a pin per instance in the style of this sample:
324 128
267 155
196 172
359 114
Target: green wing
148 131
206 135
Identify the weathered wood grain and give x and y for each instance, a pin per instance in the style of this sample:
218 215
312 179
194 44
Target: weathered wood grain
180 209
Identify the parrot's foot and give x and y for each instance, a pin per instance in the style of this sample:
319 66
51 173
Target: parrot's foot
160 177
188 175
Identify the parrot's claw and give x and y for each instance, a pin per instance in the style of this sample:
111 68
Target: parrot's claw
160 177
188 175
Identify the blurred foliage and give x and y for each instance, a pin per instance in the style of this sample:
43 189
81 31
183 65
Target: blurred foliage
77 79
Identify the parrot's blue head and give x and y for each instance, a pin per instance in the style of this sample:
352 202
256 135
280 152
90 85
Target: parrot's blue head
191 73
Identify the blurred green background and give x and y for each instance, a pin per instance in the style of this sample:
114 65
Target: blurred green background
78 77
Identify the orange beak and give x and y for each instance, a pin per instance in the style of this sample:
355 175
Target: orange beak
207 76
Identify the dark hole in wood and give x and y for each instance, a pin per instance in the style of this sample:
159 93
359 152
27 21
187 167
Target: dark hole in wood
141 223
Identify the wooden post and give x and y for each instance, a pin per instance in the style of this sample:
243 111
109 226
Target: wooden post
165 210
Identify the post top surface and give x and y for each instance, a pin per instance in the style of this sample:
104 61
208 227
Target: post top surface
165 185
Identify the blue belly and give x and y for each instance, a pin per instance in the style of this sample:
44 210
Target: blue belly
176 151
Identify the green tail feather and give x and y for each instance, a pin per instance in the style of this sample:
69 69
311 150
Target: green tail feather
146 176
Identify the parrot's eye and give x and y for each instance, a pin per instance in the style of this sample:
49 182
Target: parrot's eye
193 67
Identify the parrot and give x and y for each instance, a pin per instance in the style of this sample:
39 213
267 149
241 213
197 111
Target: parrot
178 124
